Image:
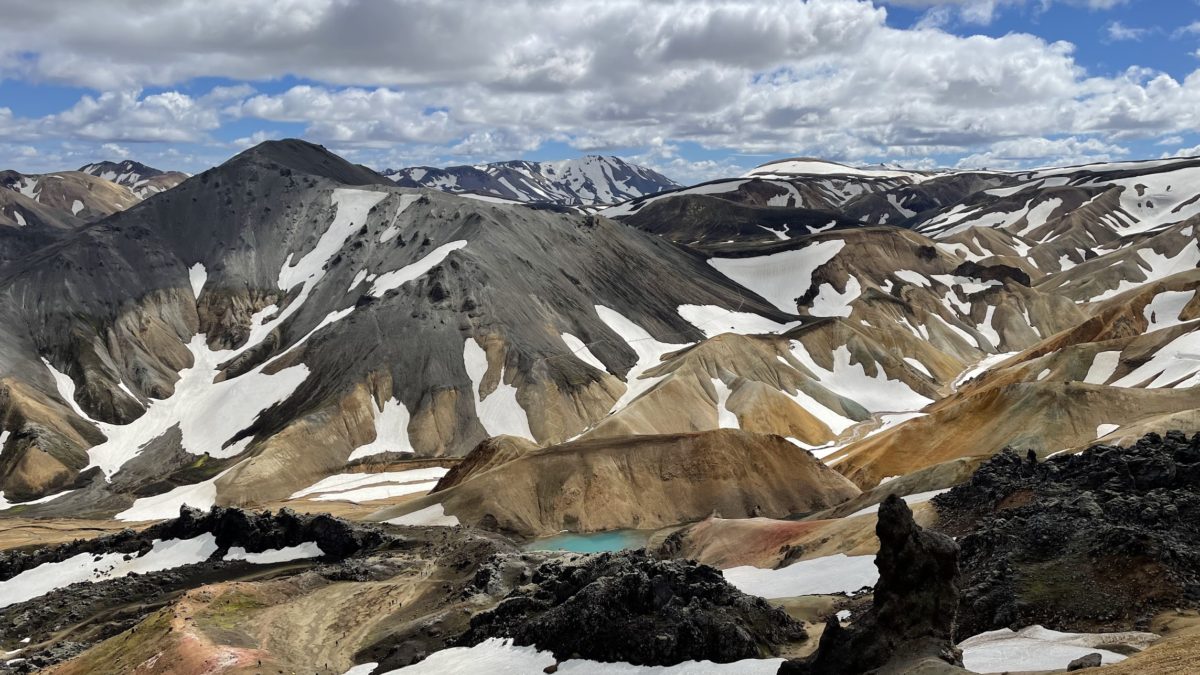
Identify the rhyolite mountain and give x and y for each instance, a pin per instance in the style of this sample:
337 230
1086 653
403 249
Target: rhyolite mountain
288 315
141 179
69 198
586 181
742 371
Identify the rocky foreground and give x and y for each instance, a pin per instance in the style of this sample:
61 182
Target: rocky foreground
1103 541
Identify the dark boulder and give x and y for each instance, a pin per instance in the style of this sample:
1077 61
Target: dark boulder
631 607
1086 661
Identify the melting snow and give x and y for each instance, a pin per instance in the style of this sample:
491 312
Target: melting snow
1156 266
309 549
391 431
207 413
713 320
649 352
90 567
430 515
1164 310
829 302
352 209
1033 648
581 352
344 482
876 394
499 412
391 231
726 419
391 280
1176 364
202 495
782 277
1104 364
1103 430
76 207
197 275
820 576
496 656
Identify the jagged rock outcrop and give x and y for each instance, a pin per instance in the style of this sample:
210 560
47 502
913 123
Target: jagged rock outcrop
912 612
1097 541
630 607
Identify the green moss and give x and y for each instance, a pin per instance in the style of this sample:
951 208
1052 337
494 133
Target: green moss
230 610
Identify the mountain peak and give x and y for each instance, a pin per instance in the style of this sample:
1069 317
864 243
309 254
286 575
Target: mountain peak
308 158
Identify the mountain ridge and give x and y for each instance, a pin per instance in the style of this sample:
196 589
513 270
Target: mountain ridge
590 180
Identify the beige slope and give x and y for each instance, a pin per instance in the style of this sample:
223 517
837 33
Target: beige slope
771 543
643 482
72 192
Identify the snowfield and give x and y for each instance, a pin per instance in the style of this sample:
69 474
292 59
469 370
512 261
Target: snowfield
88 567
819 576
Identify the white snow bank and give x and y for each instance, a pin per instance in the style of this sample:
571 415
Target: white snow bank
397 278
197 276
202 495
1037 648
820 576
430 515
499 412
391 431
782 277
351 481
47 577
309 549
496 656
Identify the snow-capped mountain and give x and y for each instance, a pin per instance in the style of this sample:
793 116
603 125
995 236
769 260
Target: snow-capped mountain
141 179
586 181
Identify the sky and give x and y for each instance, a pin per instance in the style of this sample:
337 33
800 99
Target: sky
696 89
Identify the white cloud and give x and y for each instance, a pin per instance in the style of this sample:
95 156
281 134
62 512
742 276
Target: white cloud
418 80
1028 152
1119 32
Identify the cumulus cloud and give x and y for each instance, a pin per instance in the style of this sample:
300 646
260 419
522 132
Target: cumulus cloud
398 80
1025 152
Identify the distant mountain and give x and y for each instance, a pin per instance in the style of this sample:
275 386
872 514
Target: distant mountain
75 196
586 181
141 179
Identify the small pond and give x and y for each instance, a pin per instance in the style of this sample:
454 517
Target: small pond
593 542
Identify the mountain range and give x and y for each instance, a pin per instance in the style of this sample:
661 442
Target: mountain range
587 181
747 367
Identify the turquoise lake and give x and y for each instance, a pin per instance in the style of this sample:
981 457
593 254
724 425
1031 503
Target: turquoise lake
595 542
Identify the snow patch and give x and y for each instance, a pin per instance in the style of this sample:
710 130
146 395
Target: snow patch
90 567
392 280
430 515
197 276
391 432
820 576
782 277
1033 648
499 412
308 549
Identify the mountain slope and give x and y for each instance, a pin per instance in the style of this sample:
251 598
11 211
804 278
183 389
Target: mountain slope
586 181
139 178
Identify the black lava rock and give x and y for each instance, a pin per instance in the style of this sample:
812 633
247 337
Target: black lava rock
1097 541
912 611
632 607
